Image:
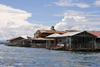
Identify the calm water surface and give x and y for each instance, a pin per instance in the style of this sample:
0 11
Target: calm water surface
33 57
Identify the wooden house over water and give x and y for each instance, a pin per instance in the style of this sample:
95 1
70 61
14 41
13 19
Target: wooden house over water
77 40
69 40
41 42
96 33
16 41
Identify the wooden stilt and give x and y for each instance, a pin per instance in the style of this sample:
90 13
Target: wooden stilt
70 42
46 43
49 43
92 42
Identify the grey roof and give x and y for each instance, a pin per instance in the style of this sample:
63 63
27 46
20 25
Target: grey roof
65 35
98 36
24 36
53 35
69 34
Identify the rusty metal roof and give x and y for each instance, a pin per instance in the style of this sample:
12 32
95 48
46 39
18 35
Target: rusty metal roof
23 37
53 35
95 33
40 38
14 38
72 31
51 31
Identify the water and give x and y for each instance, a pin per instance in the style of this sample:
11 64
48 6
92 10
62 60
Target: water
35 57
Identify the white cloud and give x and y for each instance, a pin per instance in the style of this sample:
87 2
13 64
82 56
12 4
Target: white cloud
82 5
29 30
48 5
81 27
13 23
9 14
97 3
71 3
77 21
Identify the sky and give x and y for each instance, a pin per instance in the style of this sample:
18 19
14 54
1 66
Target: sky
63 14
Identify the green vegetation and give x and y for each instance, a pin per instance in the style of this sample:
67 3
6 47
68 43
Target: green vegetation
52 28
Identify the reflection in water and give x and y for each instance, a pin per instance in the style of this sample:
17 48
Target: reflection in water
33 57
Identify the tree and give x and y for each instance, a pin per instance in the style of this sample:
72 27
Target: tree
52 28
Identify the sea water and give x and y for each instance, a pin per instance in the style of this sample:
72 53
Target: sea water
39 57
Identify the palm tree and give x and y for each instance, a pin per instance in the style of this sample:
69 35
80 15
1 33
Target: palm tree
52 28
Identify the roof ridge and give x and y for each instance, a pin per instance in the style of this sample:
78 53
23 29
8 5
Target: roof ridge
51 30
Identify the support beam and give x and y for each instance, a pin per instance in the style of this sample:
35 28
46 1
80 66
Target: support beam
92 42
46 43
49 43
58 40
95 43
70 41
81 40
54 41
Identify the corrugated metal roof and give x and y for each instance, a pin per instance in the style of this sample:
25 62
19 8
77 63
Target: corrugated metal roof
14 38
95 33
53 35
40 39
23 37
72 33
69 34
51 31
66 34
72 30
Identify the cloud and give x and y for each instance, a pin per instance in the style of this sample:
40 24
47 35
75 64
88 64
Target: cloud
77 13
9 14
11 31
13 23
47 5
97 3
70 3
76 20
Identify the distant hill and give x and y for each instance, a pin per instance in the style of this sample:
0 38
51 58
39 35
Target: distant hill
3 42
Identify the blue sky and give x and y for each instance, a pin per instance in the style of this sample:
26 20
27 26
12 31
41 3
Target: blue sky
40 13
63 14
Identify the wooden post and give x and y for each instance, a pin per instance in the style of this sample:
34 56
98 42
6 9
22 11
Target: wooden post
46 43
58 40
77 42
49 43
70 42
85 42
92 42
81 41
34 43
95 43
54 41
65 39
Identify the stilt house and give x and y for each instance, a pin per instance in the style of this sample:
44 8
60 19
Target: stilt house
78 40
